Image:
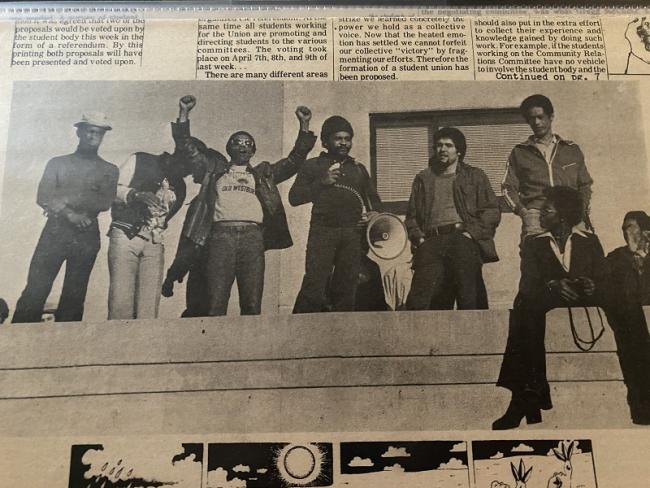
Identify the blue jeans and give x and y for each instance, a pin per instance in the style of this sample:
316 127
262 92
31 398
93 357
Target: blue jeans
235 251
136 269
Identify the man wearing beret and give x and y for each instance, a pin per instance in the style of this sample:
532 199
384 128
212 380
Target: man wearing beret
74 189
343 195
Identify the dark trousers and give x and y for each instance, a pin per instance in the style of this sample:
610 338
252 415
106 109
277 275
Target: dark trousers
59 242
445 266
235 251
523 370
197 299
330 247
633 348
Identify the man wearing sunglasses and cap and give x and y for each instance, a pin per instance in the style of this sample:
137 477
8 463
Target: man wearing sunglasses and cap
237 215
74 189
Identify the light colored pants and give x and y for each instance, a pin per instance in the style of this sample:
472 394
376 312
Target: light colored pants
136 268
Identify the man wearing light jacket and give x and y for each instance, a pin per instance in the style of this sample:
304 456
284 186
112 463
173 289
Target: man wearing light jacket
545 159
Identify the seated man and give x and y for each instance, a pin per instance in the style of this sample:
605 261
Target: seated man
238 214
562 267
628 291
451 220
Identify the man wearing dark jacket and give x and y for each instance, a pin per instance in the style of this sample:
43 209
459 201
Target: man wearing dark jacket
342 194
628 290
238 214
451 220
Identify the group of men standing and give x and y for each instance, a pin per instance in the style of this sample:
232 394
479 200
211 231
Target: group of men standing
238 214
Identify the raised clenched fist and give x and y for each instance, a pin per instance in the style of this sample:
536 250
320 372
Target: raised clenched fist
187 102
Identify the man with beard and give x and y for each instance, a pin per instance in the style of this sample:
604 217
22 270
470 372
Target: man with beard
451 219
342 194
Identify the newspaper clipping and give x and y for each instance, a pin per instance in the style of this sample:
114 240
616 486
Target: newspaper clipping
354 247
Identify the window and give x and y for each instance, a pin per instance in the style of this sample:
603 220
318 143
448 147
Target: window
401 145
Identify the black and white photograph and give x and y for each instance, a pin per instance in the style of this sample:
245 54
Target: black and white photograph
480 235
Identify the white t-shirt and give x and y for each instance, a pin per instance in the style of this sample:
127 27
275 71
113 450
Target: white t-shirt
236 199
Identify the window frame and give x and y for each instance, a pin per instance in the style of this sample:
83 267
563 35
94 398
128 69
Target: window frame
435 119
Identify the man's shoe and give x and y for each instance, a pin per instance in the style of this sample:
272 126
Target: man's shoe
517 410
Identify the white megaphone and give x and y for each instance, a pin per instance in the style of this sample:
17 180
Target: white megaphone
387 236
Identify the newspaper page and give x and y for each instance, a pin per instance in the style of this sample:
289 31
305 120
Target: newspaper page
324 247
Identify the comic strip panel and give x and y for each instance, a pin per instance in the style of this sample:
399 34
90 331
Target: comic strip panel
442 464
534 464
136 464
269 465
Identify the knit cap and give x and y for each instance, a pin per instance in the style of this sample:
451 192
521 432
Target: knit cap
335 124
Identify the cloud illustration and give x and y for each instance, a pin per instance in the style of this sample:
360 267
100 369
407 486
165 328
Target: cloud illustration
219 477
395 468
522 448
452 464
241 468
396 452
358 462
460 447
498 455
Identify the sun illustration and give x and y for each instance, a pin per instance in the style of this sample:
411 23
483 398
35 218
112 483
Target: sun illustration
299 464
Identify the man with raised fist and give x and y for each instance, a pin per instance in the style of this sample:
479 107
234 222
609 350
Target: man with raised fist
238 213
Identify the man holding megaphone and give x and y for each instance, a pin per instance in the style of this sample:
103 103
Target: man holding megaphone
342 194
451 220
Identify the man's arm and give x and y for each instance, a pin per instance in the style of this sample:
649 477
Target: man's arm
510 186
416 234
105 197
488 211
584 182
307 185
46 195
127 170
288 167
373 201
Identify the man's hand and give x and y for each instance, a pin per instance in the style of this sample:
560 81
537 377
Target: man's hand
564 289
168 288
56 206
333 174
185 105
371 214
304 117
148 198
588 285
79 220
